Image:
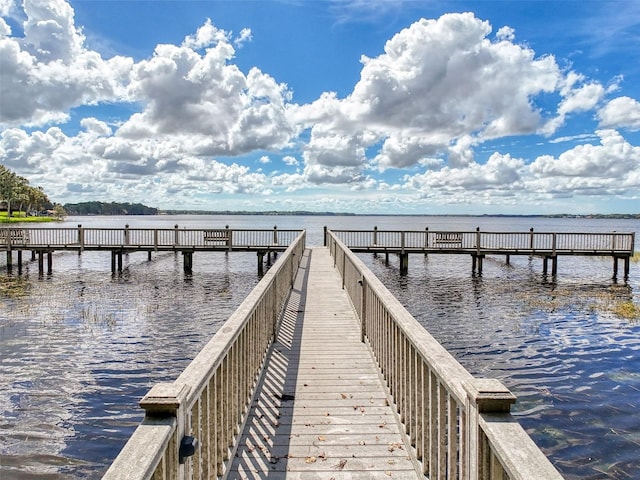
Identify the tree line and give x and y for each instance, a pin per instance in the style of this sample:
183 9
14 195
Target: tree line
113 208
17 195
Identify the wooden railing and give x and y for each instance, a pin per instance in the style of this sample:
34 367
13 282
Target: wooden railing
460 426
83 238
530 242
191 424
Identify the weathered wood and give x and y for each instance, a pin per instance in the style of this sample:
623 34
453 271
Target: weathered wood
321 407
450 438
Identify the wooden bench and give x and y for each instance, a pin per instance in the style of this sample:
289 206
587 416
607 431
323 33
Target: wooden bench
448 239
14 236
216 236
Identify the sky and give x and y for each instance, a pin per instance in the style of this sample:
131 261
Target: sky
361 106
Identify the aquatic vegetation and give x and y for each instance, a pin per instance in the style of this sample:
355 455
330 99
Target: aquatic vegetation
13 287
627 310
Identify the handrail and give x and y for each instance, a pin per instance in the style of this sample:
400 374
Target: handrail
210 398
479 241
444 409
147 238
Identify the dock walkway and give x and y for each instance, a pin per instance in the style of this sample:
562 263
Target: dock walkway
321 410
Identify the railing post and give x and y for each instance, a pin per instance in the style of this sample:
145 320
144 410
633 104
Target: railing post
80 238
478 240
363 310
175 238
168 400
126 234
375 236
483 396
275 235
229 239
325 235
531 242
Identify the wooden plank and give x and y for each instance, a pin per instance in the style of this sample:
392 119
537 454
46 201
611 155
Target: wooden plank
321 408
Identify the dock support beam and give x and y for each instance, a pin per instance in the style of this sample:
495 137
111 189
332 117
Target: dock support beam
187 260
260 264
476 263
116 257
404 263
626 267
554 265
41 262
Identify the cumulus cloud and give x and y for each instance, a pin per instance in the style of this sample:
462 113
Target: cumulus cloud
442 90
204 95
49 71
621 112
612 160
437 82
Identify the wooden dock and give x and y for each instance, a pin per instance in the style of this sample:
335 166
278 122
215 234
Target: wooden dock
322 374
321 407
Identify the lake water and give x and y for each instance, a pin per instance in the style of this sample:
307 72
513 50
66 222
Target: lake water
80 347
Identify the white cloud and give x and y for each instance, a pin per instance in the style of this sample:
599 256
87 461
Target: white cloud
205 36
203 95
49 71
438 82
612 160
244 36
506 34
621 112
440 90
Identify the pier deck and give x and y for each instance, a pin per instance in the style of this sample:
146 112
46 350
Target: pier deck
321 408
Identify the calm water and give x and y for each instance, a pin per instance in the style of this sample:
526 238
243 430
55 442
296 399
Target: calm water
80 347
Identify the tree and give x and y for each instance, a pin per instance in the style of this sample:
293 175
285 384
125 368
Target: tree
15 189
59 212
8 185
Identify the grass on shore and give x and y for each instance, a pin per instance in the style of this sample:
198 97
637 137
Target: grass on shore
21 217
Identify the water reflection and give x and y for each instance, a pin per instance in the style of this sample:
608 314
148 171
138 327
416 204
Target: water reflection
81 346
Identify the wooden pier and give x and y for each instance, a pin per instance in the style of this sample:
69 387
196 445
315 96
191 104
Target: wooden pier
321 406
43 242
478 244
321 373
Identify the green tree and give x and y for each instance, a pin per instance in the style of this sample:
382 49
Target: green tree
15 190
59 211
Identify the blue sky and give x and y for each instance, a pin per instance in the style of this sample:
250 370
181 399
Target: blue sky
516 107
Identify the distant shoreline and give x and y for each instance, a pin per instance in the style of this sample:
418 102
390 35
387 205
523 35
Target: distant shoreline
630 216
124 209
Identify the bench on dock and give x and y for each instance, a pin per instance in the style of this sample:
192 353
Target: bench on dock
216 236
14 236
448 239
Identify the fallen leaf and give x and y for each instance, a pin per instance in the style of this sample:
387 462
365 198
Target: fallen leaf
387 473
321 438
343 396
340 465
310 460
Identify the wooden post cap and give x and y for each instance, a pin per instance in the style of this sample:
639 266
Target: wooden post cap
164 398
490 395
